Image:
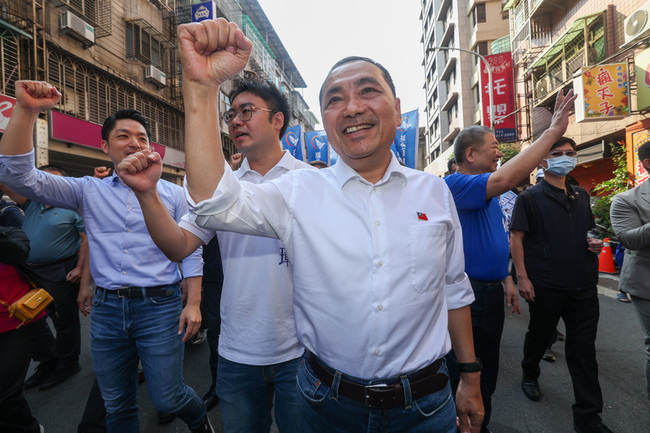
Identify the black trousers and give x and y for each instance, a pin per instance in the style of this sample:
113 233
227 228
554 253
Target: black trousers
488 315
579 309
16 350
66 347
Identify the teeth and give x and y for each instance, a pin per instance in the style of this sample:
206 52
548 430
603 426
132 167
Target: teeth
351 129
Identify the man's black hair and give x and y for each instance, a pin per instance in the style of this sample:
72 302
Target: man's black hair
644 152
472 136
384 72
51 167
274 98
110 122
451 162
562 141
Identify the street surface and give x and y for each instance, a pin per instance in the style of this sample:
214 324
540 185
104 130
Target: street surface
620 353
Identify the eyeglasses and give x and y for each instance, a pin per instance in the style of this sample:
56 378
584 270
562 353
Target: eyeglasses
245 113
558 153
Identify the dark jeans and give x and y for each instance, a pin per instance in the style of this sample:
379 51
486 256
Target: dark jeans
94 417
210 306
67 345
580 311
16 350
488 315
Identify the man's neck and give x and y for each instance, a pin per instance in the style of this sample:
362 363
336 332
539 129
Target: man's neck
470 169
556 181
263 161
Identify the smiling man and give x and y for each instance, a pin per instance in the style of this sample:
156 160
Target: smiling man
137 312
373 307
476 186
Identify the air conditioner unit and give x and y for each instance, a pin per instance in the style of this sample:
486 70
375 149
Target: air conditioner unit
155 75
77 28
637 25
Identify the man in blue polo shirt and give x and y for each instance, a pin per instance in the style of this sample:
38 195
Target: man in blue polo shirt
58 251
476 186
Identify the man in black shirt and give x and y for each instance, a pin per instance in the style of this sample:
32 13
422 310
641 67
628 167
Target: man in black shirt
557 272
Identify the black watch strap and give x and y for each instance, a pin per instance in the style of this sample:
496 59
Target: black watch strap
470 367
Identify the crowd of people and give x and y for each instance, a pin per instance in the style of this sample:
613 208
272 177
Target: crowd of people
359 328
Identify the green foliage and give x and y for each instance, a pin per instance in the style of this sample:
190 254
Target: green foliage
509 151
606 190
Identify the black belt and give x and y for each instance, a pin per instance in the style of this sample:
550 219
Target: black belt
133 292
42 265
381 395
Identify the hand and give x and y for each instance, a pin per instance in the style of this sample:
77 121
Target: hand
36 96
101 172
512 299
85 299
212 51
526 289
563 106
595 245
74 275
190 321
235 161
141 170
469 403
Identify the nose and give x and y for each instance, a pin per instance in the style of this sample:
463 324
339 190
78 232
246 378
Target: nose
499 153
353 107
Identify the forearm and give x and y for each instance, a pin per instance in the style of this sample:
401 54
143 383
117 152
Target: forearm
517 251
462 341
193 290
18 136
203 154
83 252
164 230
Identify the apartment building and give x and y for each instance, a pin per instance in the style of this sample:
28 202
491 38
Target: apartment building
450 29
105 55
553 42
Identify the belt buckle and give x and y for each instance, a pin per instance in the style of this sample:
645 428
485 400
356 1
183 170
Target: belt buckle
372 387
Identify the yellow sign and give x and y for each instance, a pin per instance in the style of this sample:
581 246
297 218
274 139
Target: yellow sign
602 92
639 138
642 65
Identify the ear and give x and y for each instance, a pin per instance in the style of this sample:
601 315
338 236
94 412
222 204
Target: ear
646 165
278 120
105 146
469 154
398 110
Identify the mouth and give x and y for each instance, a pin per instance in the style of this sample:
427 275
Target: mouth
239 134
357 128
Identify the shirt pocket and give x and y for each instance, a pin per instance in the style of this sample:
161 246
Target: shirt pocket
428 256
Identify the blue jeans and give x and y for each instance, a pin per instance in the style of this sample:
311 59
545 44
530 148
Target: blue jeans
124 330
324 411
246 396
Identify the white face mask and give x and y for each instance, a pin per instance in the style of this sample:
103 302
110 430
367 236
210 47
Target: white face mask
561 166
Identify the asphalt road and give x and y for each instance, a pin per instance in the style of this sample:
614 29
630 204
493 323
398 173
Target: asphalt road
620 353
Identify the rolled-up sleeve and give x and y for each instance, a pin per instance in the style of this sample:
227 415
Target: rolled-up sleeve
458 289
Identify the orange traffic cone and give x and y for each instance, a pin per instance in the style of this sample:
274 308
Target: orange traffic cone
605 259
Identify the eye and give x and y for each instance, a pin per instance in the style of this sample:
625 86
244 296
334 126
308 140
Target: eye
246 111
332 100
368 90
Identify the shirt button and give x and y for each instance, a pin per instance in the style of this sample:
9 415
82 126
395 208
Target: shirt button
381 263
128 208
377 352
380 307
377 223
126 251
124 273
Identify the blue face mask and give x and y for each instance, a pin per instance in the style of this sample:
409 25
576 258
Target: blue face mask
561 166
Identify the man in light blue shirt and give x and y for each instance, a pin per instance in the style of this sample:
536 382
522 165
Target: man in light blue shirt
137 312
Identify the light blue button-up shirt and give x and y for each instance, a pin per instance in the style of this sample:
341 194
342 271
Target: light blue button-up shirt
122 252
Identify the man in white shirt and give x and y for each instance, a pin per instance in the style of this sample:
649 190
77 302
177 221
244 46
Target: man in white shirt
381 297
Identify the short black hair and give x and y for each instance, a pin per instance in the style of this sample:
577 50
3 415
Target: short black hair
472 136
349 59
52 167
109 123
451 162
562 141
274 98
644 152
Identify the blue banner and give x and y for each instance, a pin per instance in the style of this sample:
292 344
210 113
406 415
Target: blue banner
333 155
317 146
405 145
203 11
292 141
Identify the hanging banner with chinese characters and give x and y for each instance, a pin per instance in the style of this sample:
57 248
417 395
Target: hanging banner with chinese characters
602 92
317 146
405 144
292 141
503 92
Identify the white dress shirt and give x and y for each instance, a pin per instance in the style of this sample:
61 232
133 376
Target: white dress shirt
257 324
375 267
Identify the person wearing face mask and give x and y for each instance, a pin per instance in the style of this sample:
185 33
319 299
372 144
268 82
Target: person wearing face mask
557 271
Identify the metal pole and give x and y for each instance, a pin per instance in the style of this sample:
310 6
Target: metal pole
489 69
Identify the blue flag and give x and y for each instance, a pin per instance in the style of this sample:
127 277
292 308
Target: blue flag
405 144
292 141
203 11
333 156
317 147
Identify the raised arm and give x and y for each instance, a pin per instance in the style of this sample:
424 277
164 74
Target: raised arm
510 174
212 52
32 97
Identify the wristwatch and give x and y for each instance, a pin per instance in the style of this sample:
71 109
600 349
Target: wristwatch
470 367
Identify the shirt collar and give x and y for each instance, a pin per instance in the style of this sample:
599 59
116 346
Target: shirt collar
344 173
287 163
